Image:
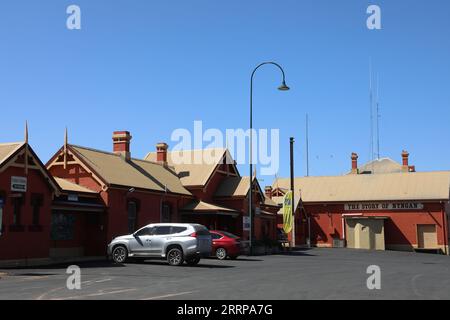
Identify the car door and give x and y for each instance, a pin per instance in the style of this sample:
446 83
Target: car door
142 242
161 235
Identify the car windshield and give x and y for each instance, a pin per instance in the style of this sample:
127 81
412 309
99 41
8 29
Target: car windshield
229 235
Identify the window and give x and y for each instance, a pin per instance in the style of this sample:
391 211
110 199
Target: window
162 230
62 226
230 235
132 216
36 203
215 236
17 210
201 230
166 214
145 232
178 229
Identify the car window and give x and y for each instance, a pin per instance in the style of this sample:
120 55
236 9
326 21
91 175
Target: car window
178 229
215 236
201 230
162 230
144 232
230 235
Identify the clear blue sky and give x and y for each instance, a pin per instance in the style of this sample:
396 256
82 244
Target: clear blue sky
153 66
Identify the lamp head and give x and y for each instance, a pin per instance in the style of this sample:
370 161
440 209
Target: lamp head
283 87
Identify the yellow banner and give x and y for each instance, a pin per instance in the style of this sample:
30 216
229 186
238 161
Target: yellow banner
287 212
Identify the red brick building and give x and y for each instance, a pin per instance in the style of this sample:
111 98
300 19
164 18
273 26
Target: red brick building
381 205
133 192
26 194
83 197
221 194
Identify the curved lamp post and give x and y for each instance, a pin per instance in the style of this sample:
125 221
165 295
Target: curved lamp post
283 87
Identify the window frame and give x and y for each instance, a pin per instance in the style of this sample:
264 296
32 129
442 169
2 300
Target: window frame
37 201
132 229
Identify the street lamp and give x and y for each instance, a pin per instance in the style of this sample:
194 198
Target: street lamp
283 87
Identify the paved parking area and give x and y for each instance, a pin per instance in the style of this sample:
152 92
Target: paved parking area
306 274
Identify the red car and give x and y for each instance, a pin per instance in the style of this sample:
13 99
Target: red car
225 244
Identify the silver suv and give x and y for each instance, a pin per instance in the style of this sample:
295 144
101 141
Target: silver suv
176 242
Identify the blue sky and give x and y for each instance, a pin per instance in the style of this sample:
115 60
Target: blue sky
151 67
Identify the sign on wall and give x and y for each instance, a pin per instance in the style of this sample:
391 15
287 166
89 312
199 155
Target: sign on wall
1 215
377 206
246 223
19 184
72 197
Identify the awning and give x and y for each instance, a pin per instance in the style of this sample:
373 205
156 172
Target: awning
205 208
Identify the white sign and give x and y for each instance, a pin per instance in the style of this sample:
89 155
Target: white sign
19 184
383 206
246 223
72 197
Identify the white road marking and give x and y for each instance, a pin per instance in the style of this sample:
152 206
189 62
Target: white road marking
169 295
101 293
41 297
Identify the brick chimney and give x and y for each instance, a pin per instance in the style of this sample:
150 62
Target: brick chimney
121 144
268 192
354 163
405 162
161 153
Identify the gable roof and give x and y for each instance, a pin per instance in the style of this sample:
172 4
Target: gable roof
383 165
367 187
233 187
194 167
116 171
8 149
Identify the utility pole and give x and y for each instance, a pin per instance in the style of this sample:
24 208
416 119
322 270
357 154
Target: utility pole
307 145
291 141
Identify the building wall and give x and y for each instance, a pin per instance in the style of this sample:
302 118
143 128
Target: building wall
25 241
400 228
149 209
115 220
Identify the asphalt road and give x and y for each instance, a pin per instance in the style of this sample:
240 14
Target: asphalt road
309 274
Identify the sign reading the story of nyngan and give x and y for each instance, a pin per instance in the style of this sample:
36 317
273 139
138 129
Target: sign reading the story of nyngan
19 184
383 206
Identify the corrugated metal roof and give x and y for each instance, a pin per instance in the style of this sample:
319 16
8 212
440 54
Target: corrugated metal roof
134 173
371 187
194 167
233 187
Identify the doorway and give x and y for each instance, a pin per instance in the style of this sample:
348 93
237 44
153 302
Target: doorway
365 233
427 236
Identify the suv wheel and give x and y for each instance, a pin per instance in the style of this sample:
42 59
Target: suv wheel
175 257
221 253
193 261
119 254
